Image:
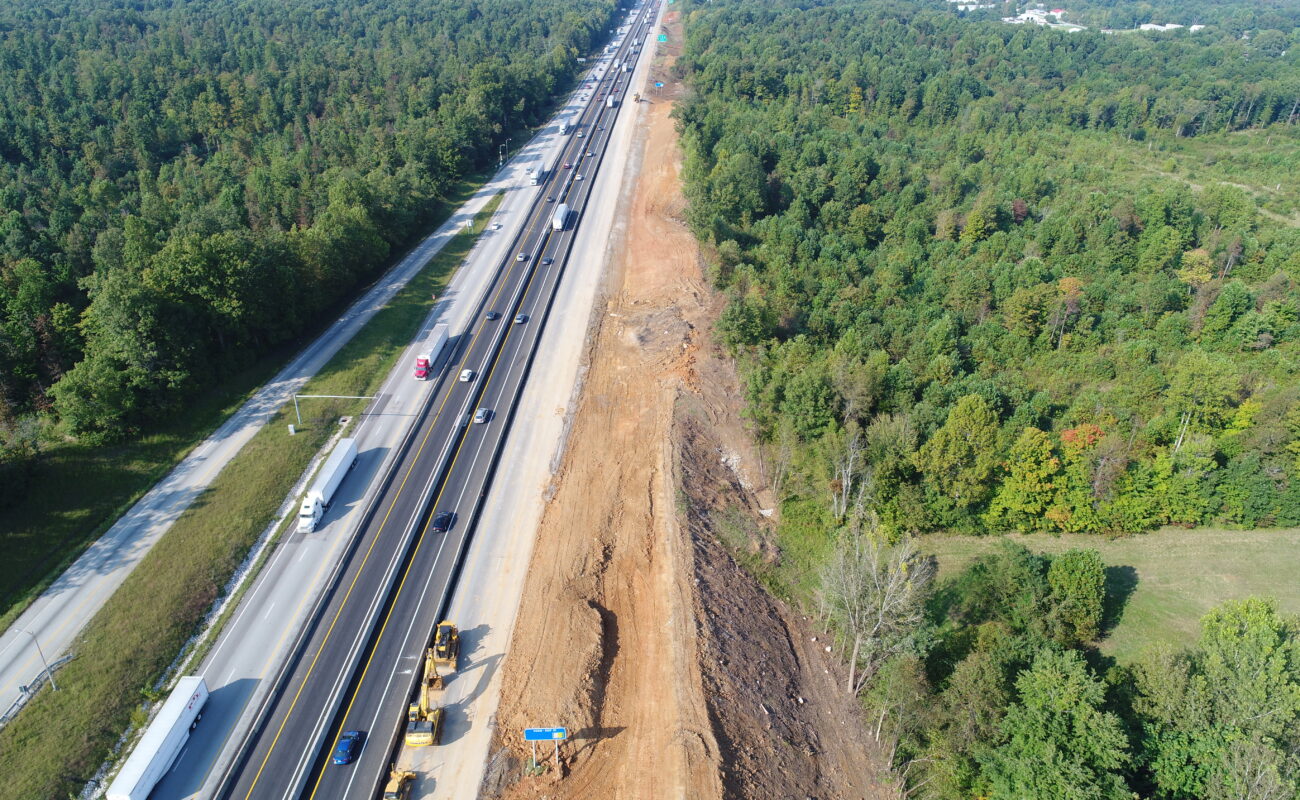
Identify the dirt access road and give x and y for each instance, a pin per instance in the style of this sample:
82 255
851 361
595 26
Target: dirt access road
676 675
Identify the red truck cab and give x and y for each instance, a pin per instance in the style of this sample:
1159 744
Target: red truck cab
422 368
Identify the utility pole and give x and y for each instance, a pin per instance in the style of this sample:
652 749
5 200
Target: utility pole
41 653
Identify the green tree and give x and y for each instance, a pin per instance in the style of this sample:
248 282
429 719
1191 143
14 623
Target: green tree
1197 269
1029 488
1077 579
1057 742
959 459
1223 720
980 222
1202 390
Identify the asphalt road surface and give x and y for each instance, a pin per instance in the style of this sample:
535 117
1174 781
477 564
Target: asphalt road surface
356 666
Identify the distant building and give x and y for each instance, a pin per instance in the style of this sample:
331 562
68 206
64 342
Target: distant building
1153 26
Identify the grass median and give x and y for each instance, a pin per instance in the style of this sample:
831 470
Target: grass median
58 742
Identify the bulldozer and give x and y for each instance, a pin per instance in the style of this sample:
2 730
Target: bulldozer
423 719
446 646
399 785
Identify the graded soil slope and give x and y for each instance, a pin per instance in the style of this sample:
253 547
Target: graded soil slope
676 675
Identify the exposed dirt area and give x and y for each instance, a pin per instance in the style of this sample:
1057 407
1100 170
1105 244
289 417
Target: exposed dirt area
676 675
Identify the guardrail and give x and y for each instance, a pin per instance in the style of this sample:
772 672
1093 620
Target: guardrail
27 692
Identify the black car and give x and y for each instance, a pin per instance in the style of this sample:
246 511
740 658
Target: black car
546 262
550 199
442 521
493 316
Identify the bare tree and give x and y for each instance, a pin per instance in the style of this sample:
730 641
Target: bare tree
1253 770
847 450
876 593
782 456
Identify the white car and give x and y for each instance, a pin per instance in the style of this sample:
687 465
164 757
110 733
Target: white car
466 375
481 416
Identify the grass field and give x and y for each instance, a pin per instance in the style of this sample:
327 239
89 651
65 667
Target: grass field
1260 162
58 742
1179 575
79 491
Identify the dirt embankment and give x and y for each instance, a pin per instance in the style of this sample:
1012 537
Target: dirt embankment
677 676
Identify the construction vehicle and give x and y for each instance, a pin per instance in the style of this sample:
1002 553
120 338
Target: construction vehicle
399 785
423 719
636 97
446 646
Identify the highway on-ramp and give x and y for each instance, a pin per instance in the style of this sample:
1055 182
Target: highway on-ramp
357 661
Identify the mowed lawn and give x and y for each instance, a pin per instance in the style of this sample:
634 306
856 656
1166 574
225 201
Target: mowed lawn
1172 578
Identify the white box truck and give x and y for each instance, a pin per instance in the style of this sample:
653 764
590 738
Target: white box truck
162 741
564 127
610 101
327 483
561 219
432 350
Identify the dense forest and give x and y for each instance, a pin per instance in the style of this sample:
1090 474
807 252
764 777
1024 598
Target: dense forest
946 320
184 185
942 321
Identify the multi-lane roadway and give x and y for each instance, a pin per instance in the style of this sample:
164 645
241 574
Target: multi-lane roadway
356 666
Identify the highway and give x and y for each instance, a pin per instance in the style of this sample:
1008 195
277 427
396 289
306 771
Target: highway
355 665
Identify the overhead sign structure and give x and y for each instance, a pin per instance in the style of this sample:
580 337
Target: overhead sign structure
545 734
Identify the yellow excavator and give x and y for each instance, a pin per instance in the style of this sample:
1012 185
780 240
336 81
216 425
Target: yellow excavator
399 785
446 646
423 719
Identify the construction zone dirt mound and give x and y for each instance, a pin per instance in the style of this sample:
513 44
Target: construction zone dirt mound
676 675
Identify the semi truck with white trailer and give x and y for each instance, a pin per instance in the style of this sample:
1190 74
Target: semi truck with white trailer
162 742
429 354
561 218
564 127
321 493
538 173
610 101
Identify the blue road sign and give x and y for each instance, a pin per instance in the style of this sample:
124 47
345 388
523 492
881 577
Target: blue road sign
659 84
663 37
544 734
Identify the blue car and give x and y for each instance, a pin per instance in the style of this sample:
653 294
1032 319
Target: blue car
349 744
